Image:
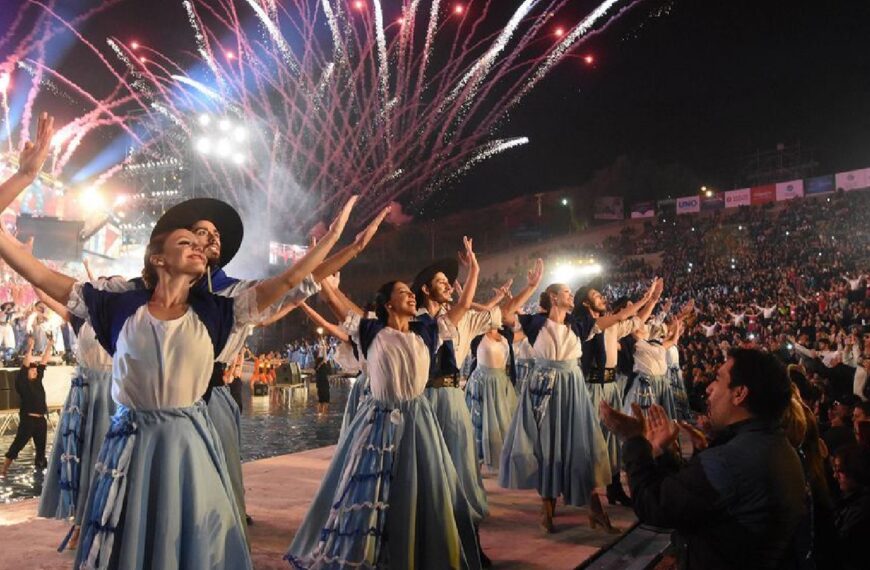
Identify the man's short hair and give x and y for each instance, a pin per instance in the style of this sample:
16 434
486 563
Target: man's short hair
767 381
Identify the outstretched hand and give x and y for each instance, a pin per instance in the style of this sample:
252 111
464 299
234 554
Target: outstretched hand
536 273
661 431
34 153
337 225
468 258
364 237
624 426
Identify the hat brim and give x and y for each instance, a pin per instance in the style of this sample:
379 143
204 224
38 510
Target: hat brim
224 217
448 266
6 304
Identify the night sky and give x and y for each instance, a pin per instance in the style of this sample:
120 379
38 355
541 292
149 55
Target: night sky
698 85
701 86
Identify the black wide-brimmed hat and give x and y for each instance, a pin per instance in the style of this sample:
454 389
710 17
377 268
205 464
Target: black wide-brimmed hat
448 266
222 215
6 304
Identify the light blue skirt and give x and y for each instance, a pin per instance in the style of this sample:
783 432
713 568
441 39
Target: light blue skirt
554 443
621 382
455 421
359 393
659 390
524 370
681 398
492 401
226 417
84 421
389 499
612 394
161 498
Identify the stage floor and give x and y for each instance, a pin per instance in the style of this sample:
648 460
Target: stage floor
279 490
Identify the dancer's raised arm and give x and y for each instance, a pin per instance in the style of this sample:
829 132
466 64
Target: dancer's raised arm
320 321
463 304
335 262
270 290
533 279
30 162
340 303
56 285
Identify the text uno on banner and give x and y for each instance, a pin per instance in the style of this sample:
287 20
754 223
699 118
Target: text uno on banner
688 205
735 198
853 179
789 190
763 194
819 185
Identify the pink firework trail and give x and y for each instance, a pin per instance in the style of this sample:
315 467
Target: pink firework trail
339 96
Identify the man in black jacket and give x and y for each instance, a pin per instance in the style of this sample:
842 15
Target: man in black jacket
738 503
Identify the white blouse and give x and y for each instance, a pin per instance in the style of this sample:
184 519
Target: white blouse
523 350
397 362
650 358
493 353
472 324
89 352
557 341
164 364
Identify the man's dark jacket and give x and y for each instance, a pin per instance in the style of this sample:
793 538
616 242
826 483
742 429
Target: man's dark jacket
737 504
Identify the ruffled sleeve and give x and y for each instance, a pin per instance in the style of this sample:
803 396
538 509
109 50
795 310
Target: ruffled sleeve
245 310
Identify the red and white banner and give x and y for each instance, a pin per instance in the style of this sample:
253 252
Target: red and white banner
763 194
789 190
853 179
735 198
688 205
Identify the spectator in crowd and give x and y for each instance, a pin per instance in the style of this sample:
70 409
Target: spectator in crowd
852 518
740 502
840 429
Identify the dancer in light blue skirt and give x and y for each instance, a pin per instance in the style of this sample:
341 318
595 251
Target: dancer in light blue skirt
490 394
554 443
161 476
390 497
651 384
84 421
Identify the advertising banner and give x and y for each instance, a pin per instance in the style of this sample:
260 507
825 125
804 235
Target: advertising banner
714 202
735 198
789 190
853 179
688 204
643 210
763 194
609 208
819 185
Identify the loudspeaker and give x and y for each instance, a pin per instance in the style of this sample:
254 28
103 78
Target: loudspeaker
261 389
55 239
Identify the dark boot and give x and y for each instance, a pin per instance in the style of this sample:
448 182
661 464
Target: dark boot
616 494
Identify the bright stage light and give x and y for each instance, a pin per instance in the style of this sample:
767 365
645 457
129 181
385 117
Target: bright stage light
204 120
239 158
224 125
121 200
559 32
458 9
564 201
359 4
203 145
223 147
134 45
567 272
4 81
589 59
240 134
92 198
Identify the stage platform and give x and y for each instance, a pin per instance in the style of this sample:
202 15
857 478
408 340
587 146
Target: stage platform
279 490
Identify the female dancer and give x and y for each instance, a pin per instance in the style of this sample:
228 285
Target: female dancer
391 497
651 384
161 476
84 421
554 443
490 393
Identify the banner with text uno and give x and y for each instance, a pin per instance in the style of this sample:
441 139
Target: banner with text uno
819 185
763 194
853 179
735 198
789 190
643 210
688 205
